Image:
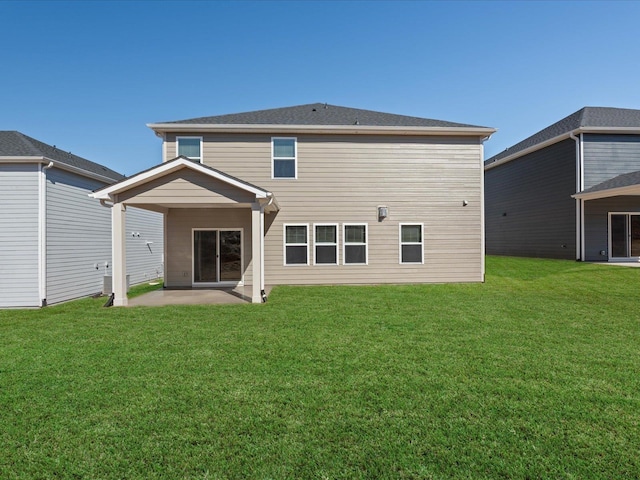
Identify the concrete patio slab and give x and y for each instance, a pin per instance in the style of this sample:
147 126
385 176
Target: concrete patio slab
217 296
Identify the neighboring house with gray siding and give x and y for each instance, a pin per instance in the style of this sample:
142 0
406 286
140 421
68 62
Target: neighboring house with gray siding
569 191
312 194
55 241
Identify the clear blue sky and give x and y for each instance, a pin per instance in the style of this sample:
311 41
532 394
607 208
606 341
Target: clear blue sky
88 76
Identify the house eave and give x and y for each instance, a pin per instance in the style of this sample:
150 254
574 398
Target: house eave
526 151
629 190
57 164
162 128
559 138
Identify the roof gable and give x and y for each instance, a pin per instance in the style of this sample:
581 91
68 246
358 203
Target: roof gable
16 144
625 184
170 167
186 187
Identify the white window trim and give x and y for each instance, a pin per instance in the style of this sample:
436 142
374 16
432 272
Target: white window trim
366 242
294 158
285 244
315 243
401 243
199 159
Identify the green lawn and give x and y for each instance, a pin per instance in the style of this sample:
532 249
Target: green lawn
534 374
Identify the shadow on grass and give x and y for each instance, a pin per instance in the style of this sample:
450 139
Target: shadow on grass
143 288
528 269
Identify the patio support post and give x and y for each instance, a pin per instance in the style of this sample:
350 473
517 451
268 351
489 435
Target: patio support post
256 251
119 254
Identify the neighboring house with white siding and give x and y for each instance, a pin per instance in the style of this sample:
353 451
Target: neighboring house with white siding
312 194
55 241
570 191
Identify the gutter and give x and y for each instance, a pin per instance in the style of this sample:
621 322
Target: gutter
610 192
162 128
61 166
526 151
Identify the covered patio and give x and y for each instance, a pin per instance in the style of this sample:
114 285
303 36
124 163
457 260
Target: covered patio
200 296
610 223
214 227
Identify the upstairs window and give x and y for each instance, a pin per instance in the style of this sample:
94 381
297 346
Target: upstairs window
284 158
190 147
411 244
355 244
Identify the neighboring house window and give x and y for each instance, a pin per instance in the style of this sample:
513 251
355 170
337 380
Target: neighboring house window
355 244
190 147
284 158
326 244
296 245
411 244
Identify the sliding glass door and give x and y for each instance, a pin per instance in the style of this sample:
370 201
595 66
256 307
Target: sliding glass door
217 256
624 231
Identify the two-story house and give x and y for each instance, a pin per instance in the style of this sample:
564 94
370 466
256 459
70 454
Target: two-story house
569 191
311 194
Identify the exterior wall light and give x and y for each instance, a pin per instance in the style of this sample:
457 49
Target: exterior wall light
383 212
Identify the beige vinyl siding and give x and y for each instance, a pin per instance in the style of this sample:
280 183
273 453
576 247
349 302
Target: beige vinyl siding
180 223
185 187
19 236
343 178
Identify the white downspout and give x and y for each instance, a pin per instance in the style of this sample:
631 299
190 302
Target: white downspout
582 236
579 203
42 230
262 249
482 220
262 209
483 247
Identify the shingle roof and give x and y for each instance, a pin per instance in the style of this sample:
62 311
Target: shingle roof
584 118
16 144
625 180
319 114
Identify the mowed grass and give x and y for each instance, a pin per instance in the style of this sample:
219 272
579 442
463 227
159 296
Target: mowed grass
534 374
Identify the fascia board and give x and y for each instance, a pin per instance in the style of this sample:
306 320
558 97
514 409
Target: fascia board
24 159
610 130
531 149
610 192
160 128
164 169
564 136
60 165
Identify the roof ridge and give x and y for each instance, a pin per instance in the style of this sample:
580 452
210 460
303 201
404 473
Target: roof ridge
583 116
25 139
